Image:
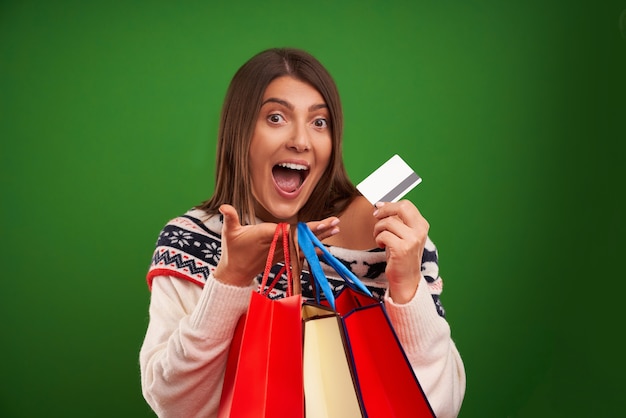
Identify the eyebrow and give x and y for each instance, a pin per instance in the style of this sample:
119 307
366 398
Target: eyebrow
290 106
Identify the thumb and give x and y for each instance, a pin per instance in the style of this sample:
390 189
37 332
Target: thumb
231 218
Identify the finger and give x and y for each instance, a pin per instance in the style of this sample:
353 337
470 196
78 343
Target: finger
399 220
389 228
231 218
386 239
325 228
394 225
389 231
404 209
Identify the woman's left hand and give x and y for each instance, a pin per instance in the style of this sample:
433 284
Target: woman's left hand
402 231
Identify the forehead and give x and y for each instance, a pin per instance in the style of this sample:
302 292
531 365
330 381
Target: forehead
294 91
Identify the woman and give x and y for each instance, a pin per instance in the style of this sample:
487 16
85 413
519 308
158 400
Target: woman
279 160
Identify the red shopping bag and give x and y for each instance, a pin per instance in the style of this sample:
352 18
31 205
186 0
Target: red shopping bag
264 369
388 385
386 382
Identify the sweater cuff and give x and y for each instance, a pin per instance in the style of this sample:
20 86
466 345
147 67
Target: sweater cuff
417 323
219 308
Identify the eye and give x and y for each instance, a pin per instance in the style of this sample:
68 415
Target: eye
275 118
320 123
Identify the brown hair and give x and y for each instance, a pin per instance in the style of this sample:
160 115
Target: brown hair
241 107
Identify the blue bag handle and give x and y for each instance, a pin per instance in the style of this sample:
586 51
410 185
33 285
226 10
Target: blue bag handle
308 242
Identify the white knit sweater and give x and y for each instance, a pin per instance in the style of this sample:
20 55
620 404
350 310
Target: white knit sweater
193 316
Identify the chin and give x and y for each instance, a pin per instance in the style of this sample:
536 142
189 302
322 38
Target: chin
279 209
287 212
284 216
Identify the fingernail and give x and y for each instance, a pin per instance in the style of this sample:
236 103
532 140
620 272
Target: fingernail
378 205
320 227
335 231
335 222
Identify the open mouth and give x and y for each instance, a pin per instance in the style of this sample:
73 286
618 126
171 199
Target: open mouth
289 176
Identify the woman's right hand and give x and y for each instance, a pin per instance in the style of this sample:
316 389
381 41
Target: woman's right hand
245 247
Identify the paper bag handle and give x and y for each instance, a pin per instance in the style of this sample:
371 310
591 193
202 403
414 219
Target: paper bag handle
281 229
308 242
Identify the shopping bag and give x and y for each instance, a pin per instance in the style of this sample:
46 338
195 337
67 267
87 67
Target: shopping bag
387 385
329 387
263 375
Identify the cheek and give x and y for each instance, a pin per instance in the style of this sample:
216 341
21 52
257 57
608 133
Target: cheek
255 162
259 146
324 152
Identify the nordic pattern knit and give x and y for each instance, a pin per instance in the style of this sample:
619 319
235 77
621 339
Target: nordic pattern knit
193 317
190 249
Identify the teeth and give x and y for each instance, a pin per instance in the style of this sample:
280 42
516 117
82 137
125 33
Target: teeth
294 166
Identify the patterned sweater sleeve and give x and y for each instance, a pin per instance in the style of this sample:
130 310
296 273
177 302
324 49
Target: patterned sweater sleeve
183 356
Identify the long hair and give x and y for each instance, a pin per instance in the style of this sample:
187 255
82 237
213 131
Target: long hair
240 111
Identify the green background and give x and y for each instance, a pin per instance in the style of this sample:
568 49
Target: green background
512 112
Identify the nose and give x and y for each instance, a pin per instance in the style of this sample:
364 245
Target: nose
300 140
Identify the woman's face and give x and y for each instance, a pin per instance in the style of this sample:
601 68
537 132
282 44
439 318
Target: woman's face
290 149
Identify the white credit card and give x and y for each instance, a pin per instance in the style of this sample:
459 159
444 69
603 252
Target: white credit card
390 182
